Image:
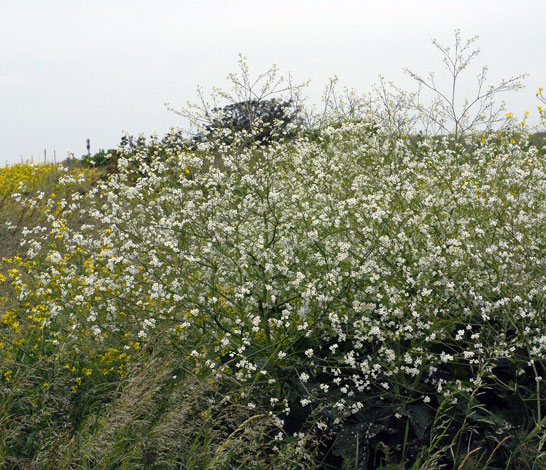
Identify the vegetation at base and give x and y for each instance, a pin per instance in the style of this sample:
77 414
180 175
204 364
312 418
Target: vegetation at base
349 296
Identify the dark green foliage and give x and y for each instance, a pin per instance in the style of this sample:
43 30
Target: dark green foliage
261 120
100 159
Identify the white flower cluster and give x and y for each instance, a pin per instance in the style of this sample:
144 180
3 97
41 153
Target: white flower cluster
385 258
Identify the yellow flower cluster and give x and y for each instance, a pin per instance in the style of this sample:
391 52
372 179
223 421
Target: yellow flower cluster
33 186
29 194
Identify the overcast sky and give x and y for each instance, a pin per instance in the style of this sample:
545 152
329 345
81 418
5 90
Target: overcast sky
75 69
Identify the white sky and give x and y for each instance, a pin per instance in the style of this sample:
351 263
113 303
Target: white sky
77 69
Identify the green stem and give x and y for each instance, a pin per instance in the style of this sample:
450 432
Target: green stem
539 413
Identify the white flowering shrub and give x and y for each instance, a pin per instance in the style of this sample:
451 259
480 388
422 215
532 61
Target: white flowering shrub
391 288
343 298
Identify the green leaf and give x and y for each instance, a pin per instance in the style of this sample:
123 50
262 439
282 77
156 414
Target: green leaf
421 418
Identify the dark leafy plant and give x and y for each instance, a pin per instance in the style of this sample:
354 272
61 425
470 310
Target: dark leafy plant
257 121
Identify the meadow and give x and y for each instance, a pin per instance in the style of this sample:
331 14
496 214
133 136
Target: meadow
346 295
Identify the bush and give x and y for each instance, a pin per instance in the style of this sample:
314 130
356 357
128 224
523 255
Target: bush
359 300
257 121
390 294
